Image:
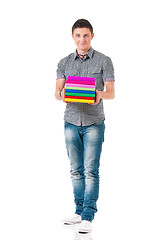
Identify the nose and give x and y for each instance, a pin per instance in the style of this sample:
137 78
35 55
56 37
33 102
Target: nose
82 39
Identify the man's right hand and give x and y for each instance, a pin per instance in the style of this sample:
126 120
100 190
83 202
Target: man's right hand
63 95
60 89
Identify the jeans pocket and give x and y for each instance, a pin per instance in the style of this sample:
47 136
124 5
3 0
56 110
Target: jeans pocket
65 124
100 123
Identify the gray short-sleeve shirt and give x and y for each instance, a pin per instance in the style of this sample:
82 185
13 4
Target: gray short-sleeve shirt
96 65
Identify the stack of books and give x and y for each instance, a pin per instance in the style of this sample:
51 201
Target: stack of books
80 89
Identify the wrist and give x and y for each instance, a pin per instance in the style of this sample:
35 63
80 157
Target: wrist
100 94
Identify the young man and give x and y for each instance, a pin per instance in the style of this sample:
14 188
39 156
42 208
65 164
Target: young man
84 123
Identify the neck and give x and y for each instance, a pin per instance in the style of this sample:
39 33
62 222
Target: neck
82 52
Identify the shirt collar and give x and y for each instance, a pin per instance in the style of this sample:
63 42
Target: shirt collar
90 53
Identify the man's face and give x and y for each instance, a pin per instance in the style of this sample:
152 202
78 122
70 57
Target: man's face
82 38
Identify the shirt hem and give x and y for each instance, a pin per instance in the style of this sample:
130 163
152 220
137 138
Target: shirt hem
109 80
60 78
84 125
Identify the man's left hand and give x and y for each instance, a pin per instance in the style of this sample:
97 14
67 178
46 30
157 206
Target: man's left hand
97 99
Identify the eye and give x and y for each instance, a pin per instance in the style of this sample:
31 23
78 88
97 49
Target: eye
86 35
77 35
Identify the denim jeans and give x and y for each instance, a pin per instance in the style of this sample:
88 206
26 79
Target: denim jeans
84 146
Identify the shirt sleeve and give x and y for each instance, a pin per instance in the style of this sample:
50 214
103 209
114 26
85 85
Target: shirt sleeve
60 70
108 70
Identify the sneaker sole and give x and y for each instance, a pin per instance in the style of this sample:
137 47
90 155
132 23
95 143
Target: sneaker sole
71 223
83 232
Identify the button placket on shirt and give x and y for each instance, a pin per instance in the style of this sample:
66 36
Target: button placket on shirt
82 71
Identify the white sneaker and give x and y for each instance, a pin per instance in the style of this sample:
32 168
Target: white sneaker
85 227
73 220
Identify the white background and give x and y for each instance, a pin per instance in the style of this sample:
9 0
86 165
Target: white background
35 185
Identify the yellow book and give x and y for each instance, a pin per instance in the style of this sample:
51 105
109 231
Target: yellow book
78 100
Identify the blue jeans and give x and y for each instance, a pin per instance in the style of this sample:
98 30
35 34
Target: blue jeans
84 146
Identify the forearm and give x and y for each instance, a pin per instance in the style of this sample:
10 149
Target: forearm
58 94
60 90
107 94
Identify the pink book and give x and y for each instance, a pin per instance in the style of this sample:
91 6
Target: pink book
79 85
76 78
80 82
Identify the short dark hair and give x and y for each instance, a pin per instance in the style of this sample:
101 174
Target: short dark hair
82 23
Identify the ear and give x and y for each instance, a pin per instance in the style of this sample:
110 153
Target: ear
92 35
